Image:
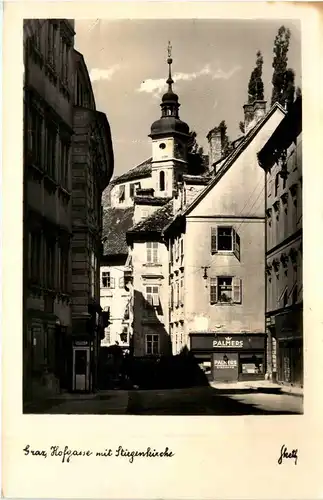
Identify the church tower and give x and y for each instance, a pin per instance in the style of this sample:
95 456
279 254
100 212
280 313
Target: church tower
170 137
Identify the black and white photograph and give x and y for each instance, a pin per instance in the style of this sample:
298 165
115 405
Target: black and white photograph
162 217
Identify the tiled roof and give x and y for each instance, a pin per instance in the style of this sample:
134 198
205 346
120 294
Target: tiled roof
155 222
116 222
141 170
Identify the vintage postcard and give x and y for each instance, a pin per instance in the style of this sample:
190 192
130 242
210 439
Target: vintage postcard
160 265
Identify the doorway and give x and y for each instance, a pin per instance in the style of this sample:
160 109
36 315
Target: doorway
81 368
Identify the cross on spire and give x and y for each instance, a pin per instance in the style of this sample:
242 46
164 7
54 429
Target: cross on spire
170 81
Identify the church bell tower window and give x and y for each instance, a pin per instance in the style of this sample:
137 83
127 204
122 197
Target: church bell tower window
162 181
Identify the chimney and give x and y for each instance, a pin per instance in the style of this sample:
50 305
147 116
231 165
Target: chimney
253 113
248 117
215 145
259 110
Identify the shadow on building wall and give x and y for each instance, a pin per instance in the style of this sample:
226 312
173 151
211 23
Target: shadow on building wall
143 368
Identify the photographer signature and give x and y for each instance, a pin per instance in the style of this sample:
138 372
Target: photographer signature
285 454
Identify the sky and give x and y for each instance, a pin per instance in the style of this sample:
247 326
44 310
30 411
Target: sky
212 63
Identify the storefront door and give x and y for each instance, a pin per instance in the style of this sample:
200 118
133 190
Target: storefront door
225 366
81 368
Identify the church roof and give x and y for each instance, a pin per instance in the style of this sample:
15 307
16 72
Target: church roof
116 222
156 222
141 170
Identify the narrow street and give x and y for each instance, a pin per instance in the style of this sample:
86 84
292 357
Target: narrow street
193 401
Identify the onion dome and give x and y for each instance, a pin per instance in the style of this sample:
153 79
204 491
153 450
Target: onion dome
169 122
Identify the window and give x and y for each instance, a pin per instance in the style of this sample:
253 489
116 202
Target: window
64 163
182 249
152 296
64 53
162 145
124 334
93 271
171 296
64 267
181 295
152 344
152 251
107 335
177 293
276 184
162 181
35 136
107 281
285 298
133 188
121 193
225 239
295 294
50 262
51 43
50 151
34 256
225 289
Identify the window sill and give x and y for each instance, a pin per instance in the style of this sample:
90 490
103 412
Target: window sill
152 264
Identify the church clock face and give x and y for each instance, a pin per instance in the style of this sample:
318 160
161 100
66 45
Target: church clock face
179 150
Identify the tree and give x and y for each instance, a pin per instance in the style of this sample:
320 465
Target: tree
242 127
196 157
226 144
283 78
256 86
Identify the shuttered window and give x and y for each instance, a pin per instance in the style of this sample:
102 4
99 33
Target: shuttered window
225 239
213 290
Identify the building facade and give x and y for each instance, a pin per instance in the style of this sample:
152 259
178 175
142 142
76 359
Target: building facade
281 159
47 228
68 161
217 264
92 168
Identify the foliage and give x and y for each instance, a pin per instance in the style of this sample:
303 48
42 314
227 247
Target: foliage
242 127
226 144
256 86
283 78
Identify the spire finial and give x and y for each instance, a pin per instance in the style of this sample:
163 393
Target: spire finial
169 62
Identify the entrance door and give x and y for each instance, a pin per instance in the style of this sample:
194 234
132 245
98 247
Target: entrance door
225 366
81 368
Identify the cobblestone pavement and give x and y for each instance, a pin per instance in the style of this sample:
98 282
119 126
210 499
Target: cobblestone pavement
193 401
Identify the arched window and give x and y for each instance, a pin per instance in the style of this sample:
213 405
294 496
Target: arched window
162 181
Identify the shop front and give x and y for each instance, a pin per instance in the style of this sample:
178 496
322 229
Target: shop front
289 341
231 357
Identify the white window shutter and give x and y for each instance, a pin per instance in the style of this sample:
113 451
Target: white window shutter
236 244
237 290
155 300
213 290
213 239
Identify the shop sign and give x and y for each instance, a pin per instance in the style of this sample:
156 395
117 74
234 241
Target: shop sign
227 342
222 364
81 343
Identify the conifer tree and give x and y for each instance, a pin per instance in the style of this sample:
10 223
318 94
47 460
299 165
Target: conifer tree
283 78
256 86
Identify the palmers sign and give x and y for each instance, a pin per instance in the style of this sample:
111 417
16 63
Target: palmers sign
227 342
233 342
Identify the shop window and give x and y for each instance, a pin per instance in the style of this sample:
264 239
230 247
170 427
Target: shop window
152 252
225 239
252 364
152 344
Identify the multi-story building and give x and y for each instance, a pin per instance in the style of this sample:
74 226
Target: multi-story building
47 228
92 168
281 159
68 161
217 264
